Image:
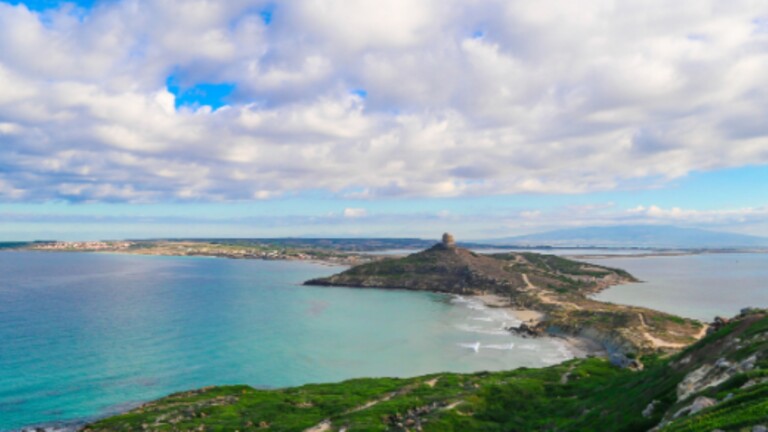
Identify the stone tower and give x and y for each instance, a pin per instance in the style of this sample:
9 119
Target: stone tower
448 240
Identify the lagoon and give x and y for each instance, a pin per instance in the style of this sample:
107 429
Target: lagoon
696 286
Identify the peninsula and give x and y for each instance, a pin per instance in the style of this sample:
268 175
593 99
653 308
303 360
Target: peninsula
558 290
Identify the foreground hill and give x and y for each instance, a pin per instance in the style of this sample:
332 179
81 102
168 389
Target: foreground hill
556 287
720 383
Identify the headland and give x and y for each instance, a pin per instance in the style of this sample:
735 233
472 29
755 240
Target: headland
550 294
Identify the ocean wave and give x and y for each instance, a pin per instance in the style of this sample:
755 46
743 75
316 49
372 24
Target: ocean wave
475 346
506 347
561 354
482 330
565 351
470 303
530 347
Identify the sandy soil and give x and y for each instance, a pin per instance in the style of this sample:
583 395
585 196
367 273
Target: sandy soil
497 301
659 343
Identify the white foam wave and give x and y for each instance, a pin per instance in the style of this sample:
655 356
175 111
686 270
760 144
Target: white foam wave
471 303
475 346
482 330
529 347
509 346
565 351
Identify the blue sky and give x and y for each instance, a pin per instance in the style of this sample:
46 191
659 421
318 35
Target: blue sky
258 118
42 5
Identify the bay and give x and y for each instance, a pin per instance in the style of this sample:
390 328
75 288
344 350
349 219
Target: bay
84 335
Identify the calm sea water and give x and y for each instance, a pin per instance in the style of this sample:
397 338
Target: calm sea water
696 286
84 335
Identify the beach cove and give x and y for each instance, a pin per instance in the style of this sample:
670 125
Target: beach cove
87 335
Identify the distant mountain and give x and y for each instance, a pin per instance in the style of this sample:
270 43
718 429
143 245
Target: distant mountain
659 236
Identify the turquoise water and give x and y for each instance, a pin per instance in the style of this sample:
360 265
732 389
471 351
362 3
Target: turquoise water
84 335
696 286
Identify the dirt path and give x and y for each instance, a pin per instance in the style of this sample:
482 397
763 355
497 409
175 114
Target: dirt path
656 342
566 375
528 282
323 426
702 332
453 405
374 402
547 297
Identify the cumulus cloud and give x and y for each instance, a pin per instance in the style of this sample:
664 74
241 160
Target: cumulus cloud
369 99
355 212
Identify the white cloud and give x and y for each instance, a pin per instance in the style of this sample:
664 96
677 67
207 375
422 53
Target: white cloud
355 212
463 98
693 216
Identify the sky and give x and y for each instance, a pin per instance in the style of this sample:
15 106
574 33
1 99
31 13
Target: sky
403 118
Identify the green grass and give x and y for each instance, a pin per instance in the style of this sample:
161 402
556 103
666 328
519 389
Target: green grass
578 395
570 267
489 397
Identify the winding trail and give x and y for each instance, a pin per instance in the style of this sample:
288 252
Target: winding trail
567 375
546 297
323 426
326 424
528 282
660 343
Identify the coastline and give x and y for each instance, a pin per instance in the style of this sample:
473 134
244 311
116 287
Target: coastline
579 346
497 301
348 260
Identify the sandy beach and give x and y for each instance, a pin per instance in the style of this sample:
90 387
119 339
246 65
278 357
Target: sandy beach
579 346
497 301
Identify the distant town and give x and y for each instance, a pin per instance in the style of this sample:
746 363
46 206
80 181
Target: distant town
234 250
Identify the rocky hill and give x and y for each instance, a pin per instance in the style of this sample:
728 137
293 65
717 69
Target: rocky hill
447 268
556 287
719 383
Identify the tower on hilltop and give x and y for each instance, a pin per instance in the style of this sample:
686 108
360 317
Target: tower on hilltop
448 240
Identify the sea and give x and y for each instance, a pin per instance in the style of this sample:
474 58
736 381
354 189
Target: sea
698 286
85 335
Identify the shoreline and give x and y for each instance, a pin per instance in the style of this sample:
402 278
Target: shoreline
500 302
579 346
349 261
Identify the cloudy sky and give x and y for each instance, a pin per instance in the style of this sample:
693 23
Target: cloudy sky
149 118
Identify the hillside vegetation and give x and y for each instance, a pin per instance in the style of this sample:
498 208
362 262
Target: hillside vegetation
719 383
